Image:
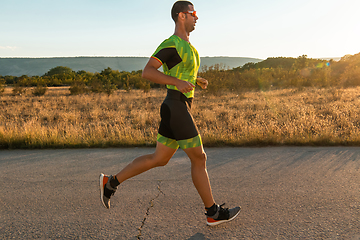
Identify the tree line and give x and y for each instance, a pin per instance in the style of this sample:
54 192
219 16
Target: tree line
272 73
281 73
106 81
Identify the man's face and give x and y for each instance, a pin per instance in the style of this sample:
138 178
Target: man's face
190 20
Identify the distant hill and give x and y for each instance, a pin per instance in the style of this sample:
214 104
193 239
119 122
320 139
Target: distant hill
40 66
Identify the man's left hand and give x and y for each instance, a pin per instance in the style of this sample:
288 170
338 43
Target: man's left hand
202 82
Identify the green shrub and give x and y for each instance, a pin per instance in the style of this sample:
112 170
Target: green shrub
78 87
39 90
2 86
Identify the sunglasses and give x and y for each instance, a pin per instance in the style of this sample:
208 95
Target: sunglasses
193 13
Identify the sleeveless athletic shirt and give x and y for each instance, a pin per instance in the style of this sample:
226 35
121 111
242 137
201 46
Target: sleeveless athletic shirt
179 59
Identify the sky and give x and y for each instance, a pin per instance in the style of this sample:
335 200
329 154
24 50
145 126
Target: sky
234 28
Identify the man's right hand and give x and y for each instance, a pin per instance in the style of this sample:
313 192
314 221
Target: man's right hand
184 86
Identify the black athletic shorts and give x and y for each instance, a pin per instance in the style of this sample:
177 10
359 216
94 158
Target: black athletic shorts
177 126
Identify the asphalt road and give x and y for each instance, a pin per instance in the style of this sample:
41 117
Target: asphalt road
284 192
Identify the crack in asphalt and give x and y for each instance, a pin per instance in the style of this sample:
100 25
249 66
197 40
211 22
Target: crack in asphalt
151 203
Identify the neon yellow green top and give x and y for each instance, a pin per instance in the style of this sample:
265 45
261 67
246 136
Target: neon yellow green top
179 59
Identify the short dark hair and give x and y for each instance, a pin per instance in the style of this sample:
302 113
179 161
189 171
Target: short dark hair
178 7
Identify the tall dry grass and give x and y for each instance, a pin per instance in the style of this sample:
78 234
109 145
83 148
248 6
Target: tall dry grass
94 120
279 117
282 117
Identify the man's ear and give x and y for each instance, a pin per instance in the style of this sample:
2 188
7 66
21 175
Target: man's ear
181 15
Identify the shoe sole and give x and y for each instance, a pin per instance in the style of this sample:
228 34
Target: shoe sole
102 189
222 221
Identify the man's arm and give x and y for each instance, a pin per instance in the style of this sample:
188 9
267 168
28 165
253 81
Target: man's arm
152 73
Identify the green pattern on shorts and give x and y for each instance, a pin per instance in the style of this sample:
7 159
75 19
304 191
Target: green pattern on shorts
171 143
190 143
183 144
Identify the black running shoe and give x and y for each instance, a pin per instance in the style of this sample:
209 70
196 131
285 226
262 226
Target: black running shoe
106 191
222 215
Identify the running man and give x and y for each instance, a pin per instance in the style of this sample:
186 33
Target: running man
180 62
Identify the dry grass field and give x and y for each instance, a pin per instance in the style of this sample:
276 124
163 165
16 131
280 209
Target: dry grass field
279 117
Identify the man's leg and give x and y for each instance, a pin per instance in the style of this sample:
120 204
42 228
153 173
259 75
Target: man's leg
199 174
160 157
216 214
108 184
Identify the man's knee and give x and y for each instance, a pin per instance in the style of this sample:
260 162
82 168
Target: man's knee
162 162
199 157
203 156
159 161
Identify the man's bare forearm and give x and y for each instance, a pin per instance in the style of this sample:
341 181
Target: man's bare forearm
156 76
